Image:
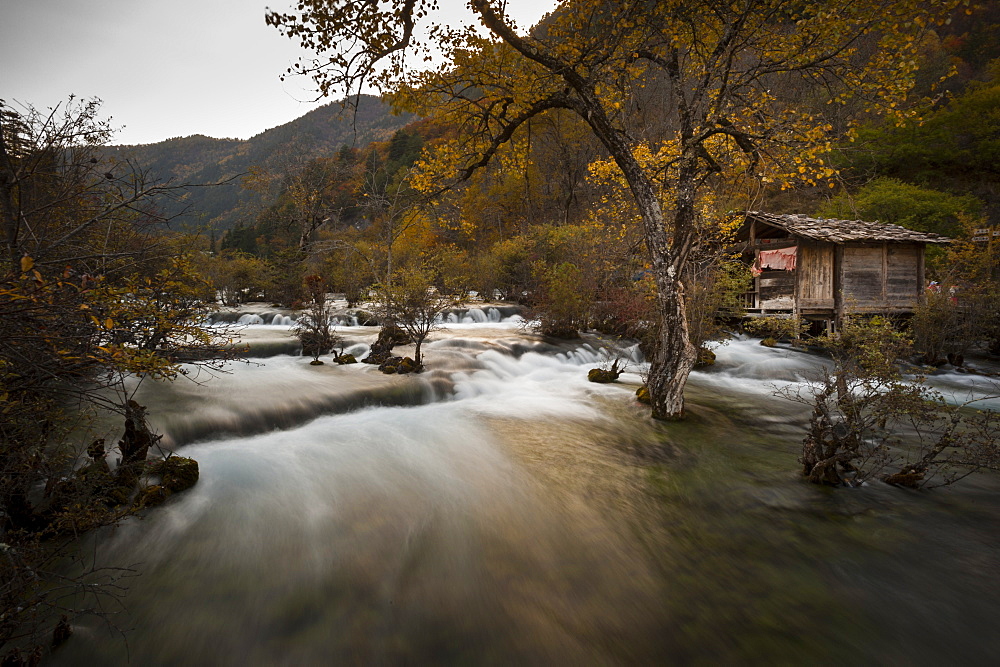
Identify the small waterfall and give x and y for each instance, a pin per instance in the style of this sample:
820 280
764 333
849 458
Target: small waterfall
359 350
634 354
585 354
282 320
494 315
250 318
475 316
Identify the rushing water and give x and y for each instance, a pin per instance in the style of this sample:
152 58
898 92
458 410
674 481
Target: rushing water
500 509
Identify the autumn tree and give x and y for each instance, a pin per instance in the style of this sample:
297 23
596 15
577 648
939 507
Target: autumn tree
736 86
409 302
315 326
92 295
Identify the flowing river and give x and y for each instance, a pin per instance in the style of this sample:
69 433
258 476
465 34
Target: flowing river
500 509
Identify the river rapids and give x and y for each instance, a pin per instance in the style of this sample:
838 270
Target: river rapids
500 509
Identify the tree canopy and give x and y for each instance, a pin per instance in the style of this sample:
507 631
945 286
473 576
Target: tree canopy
680 94
92 292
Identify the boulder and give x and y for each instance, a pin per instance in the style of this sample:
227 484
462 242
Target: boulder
177 472
390 365
315 362
642 395
705 358
407 365
602 375
346 359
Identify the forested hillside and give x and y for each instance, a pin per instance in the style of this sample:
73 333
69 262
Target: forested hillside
549 220
942 162
202 161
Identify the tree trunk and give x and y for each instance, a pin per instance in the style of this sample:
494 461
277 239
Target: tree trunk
674 356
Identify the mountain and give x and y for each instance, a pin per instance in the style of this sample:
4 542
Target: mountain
203 161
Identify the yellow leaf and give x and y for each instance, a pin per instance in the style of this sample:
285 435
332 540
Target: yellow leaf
109 323
26 263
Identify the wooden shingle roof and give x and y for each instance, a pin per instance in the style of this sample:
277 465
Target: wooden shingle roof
842 231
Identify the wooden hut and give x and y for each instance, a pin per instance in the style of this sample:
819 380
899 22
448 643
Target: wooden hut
821 269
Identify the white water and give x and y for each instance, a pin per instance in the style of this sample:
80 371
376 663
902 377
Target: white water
492 510
389 533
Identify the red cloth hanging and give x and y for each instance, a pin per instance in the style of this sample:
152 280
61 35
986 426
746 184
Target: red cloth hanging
782 259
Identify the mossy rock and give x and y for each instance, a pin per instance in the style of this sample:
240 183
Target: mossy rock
178 473
407 365
602 376
315 362
153 495
642 395
390 365
769 342
346 359
706 357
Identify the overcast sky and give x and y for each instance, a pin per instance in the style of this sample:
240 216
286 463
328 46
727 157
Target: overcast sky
164 68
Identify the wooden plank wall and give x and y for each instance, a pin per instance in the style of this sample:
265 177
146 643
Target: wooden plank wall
861 268
777 290
902 278
815 275
880 275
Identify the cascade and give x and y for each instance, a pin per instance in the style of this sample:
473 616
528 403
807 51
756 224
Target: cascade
250 318
501 508
475 315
